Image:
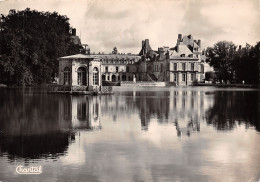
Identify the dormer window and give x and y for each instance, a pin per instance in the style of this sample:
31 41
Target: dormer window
191 55
182 55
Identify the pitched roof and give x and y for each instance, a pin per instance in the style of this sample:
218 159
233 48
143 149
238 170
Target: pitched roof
78 56
103 56
183 49
117 56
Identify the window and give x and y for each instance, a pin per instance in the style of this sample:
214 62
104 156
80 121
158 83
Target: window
106 68
127 69
192 66
175 66
95 76
175 77
183 66
202 68
113 78
67 76
183 77
129 78
124 77
103 77
81 76
118 78
108 77
117 69
192 77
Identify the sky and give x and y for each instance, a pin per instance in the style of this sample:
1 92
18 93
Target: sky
104 24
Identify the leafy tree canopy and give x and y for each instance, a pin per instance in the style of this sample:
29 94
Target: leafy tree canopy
220 56
30 43
233 63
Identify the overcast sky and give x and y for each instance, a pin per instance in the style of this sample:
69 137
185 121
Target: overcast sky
103 24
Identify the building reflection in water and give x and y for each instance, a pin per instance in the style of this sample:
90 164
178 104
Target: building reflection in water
187 111
43 126
184 109
80 112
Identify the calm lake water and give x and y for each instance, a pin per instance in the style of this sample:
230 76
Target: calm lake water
137 134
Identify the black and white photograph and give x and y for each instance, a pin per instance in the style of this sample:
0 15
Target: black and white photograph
129 90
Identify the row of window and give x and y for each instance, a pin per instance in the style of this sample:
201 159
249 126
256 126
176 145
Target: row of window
117 69
156 68
190 55
118 61
192 78
175 67
113 78
81 77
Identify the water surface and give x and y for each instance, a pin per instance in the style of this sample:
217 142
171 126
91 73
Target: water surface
137 134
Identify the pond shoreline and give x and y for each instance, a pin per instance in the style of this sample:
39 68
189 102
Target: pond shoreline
203 85
227 85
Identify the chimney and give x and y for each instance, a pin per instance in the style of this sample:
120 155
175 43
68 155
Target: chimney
146 45
179 39
161 51
180 36
199 43
74 32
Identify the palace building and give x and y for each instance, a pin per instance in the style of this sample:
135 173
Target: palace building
180 65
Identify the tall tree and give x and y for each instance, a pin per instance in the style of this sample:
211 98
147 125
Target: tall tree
221 56
30 43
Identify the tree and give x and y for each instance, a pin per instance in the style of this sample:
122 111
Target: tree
30 43
210 76
114 50
221 56
246 64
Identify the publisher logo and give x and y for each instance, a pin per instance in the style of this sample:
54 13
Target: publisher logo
29 170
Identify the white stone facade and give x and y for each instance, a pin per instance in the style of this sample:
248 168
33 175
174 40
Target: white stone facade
80 70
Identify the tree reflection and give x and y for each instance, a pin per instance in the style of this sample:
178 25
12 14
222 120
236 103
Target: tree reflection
30 127
42 125
233 108
38 125
48 145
